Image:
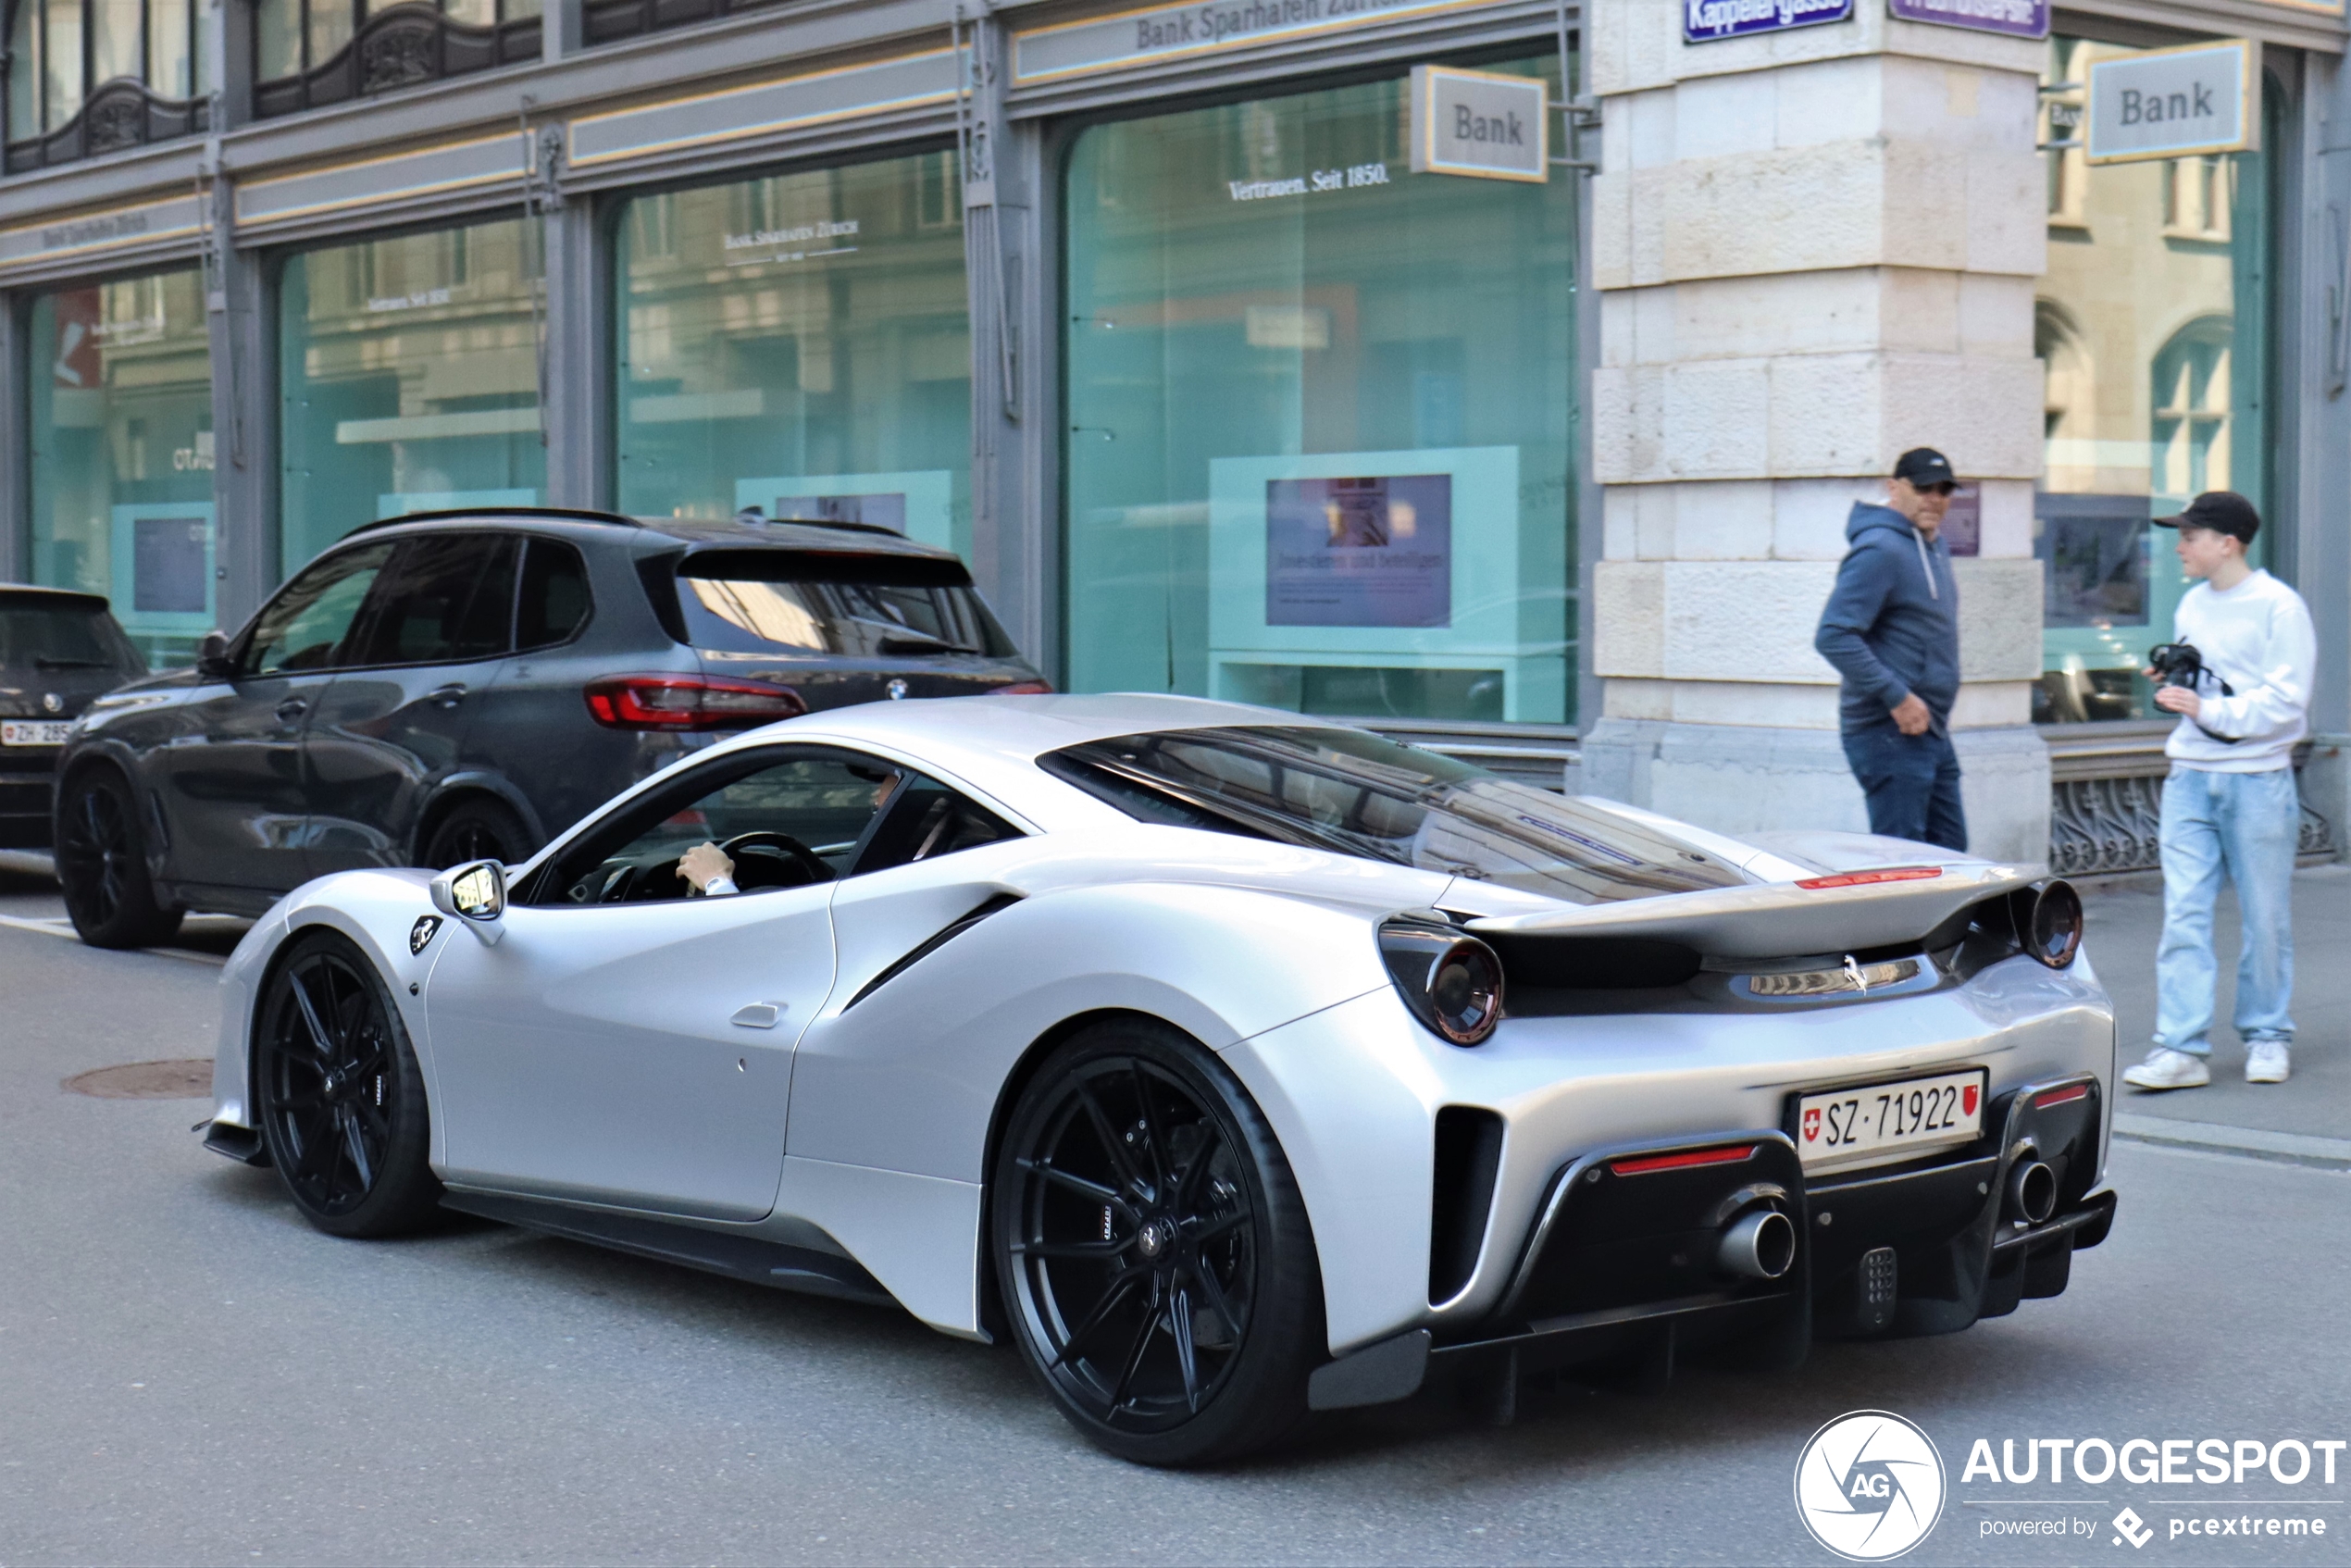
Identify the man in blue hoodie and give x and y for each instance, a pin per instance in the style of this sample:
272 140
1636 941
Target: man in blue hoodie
1892 629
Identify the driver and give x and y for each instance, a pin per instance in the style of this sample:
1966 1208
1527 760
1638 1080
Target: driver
708 871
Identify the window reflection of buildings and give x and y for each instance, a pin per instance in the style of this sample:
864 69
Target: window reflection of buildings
750 354
2136 324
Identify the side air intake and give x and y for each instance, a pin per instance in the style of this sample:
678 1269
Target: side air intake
1469 1156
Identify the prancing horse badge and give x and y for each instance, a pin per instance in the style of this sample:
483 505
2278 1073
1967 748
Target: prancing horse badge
421 932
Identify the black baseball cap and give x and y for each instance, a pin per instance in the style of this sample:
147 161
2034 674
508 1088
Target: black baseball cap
1923 465
2222 511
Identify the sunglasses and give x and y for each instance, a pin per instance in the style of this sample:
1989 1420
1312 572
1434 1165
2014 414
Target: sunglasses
1945 488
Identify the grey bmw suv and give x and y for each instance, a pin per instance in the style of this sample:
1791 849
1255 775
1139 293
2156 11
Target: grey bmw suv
437 690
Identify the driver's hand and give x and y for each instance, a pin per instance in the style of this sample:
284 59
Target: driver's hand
703 865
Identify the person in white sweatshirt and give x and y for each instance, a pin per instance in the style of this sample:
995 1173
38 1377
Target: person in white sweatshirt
2229 805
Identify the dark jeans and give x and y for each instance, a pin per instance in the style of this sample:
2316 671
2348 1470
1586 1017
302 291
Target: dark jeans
1912 782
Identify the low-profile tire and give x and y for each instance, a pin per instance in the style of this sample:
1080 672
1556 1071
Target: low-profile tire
102 864
337 1095
477 828
1156 1264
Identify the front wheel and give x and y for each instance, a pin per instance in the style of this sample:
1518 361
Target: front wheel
1154 1255
102 864
340 1099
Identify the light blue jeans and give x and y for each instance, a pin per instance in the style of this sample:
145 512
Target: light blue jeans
2246 825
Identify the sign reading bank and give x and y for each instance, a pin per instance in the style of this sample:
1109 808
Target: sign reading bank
2175 102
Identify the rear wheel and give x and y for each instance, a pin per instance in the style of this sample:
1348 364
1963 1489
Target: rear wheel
1155 1259
341 1101
475 829
102 864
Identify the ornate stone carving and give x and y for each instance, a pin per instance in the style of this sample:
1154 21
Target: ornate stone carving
115 119
400 55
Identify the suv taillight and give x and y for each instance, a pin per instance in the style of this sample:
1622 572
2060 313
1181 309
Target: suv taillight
689 701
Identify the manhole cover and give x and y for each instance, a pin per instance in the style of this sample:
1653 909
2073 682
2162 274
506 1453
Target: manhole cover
146 1080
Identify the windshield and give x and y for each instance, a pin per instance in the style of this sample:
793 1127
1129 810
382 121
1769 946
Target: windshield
860 607
61 636
1345 791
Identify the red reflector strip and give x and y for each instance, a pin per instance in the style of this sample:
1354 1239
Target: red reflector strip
1645 1163
1863 879
2062 1097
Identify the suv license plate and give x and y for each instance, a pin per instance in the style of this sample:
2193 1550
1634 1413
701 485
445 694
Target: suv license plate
34 732
1889 1121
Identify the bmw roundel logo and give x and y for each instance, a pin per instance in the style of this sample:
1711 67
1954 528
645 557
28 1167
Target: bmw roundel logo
1869 1485
52 702
896 689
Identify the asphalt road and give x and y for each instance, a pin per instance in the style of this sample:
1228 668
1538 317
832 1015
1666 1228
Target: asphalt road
189 1374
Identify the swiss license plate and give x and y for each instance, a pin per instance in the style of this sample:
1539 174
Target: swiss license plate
34 731
1889 1121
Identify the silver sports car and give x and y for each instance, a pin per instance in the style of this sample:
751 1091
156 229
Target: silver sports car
1230 1063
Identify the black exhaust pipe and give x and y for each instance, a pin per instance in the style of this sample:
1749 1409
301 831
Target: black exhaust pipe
2032 1193
1759 1244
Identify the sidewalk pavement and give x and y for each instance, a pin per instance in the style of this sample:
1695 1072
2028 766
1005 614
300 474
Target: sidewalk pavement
2126 919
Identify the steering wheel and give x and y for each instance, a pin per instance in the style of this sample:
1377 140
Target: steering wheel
786 847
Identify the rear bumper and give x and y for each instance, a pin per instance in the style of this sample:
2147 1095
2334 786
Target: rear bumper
28 798
1621 1264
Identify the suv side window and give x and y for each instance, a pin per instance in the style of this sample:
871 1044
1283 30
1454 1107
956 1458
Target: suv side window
441 600
308 625
553 601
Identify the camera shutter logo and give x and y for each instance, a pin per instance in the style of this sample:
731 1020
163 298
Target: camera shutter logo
1869 1485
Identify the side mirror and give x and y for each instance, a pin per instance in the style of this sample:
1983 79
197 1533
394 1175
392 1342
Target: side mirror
212 656
474 893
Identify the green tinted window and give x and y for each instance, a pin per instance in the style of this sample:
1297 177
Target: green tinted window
1320 412
122 454
798 344
409 378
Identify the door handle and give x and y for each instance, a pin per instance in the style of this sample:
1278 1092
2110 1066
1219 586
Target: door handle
447 696
758 1014
293 707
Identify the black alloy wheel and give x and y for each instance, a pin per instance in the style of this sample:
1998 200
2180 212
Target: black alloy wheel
102 864
340 1099
475 829
1154 1255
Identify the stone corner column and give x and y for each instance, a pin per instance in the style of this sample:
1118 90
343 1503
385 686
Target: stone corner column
1813 250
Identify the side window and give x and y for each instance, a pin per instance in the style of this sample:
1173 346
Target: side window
306 626
441 600
553 601
782 821
925 820
785 821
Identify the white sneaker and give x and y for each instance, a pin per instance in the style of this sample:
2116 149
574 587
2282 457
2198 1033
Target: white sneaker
2267 1061
2167 1068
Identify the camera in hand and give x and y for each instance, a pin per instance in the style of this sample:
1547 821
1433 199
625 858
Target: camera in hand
2179 663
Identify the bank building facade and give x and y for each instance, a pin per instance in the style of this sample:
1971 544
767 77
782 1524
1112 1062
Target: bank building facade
1496 373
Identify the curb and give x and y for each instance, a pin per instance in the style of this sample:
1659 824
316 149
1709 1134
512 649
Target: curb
2254 1143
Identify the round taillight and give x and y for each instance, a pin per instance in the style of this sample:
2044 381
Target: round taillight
1451 982
2053 934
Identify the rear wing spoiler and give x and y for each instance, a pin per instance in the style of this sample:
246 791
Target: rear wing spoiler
1840 912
